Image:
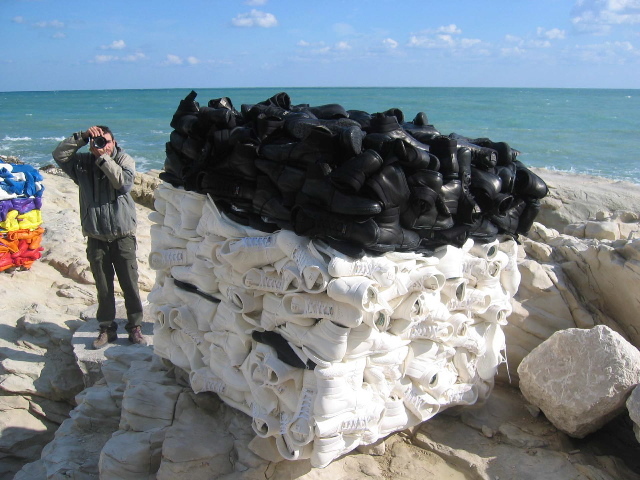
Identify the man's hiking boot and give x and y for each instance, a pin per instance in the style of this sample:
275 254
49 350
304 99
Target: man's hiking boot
136 337
105 336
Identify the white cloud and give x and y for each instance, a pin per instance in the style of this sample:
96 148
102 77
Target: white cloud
419 41
608 53
390 42
255 3
521 44
18 20
624 4
443 41
59 35
469 42
134 57
104 58
451 29
512 52
447 40
49 24
599 16
553 34
446 37
173 60
115 45
255 18
321 48
540 44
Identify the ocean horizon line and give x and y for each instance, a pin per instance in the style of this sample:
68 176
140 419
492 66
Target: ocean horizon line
284 88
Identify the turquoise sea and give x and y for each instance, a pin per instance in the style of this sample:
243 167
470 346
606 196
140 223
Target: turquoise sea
588 131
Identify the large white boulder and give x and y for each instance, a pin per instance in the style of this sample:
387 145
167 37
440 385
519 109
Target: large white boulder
580 378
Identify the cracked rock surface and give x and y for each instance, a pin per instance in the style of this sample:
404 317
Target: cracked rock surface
130 415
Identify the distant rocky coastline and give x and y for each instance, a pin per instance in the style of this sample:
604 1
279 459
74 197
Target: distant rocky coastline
69 412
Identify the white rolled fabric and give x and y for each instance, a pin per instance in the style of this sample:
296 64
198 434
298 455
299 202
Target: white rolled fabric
220 365
198 274
320 305
227 319
160 314
235 346
488 363
203 380
510 275
241 300
164 294
309 261
380 269
202 309
485 250
269 279
208 249
454 289
419 402
190 207
379 320
358 291
189 346
451 258
162 238
475 301
251 252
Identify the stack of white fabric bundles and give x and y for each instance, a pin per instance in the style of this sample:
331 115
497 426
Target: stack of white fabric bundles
324 352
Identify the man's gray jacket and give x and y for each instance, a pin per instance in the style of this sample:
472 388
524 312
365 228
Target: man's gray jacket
107 210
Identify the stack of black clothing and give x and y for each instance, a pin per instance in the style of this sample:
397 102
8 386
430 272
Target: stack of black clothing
363 183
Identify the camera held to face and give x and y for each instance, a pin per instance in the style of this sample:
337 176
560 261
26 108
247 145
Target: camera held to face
99 142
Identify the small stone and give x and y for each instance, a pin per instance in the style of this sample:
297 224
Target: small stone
575 230
602 230
487 431
515 436
532 409
627 216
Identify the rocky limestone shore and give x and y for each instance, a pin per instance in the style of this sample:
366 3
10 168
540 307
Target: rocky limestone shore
70 412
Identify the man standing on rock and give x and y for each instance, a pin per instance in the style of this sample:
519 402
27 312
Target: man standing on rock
108 218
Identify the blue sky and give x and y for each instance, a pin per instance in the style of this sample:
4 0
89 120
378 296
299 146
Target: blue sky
80 45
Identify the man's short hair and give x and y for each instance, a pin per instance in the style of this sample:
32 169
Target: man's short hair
106 129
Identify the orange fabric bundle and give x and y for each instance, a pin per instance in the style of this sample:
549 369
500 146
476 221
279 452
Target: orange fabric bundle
23 233
7 245
33 237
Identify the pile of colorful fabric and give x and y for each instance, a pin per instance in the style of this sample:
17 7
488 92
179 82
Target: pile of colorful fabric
21 191
334 274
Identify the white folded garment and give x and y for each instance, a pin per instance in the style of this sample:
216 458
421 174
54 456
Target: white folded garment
250 252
